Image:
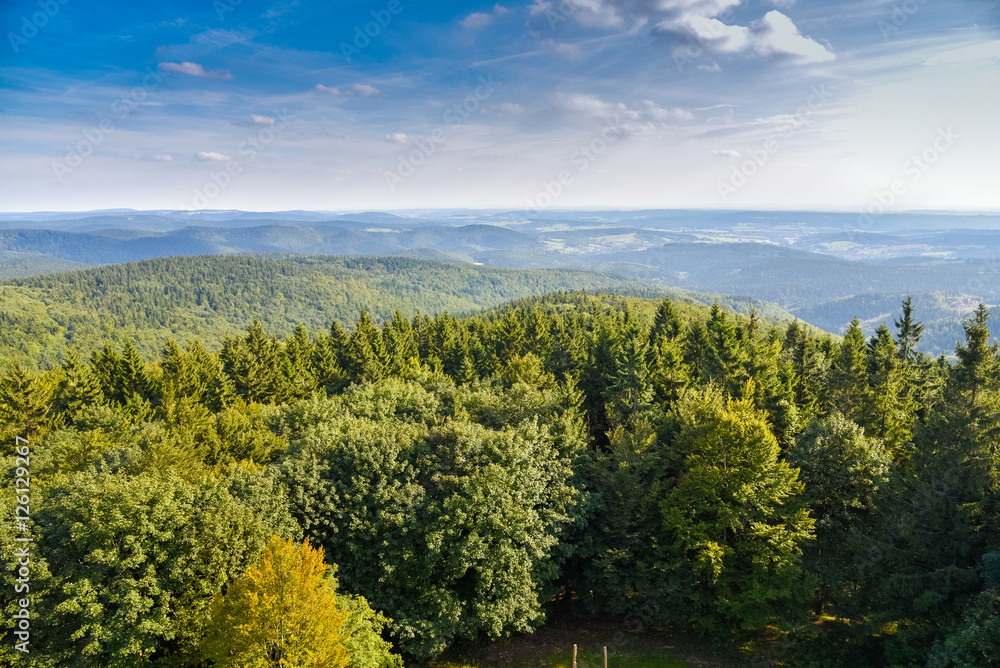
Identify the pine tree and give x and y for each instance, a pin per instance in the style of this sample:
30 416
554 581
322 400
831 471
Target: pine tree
909 332
299 350
25 403
891 415
847 385
806 367
537 336
134 382
630 391
400 343
366 357
78 388
666 323
106 364
325 367
722 357
337 343
508 336
944 517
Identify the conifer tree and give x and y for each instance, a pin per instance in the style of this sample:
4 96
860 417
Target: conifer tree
400 343
338 343
78 388
722 356
630 390
847 387
537 337
891 415
508 336
366 357
909 332
25 403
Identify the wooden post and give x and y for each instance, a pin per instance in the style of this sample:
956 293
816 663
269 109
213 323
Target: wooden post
574 656
605 657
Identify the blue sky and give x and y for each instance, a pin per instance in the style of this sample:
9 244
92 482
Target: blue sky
850 105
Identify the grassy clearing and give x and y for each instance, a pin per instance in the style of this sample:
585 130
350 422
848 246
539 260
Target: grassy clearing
552 647
584 660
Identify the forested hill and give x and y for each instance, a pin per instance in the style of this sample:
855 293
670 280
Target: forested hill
207 297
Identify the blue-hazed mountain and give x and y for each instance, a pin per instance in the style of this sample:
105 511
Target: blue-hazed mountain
811 263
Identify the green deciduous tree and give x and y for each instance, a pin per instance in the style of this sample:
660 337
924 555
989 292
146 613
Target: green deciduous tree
735 518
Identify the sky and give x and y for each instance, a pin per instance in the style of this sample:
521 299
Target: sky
866 105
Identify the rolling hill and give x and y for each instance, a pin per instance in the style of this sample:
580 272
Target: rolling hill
208 297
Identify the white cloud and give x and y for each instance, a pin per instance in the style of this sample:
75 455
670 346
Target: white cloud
642 118
700 23
724 153
397 138
483 19
714 67
477 20
967 54
365 89
152 158
776 35
360 89
261 120
195 70
212 156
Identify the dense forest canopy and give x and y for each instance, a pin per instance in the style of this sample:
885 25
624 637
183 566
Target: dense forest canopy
208 298
824 502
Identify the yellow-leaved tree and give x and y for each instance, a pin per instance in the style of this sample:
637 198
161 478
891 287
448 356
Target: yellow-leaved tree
282 613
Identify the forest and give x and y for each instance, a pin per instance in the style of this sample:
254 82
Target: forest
208 297
393 488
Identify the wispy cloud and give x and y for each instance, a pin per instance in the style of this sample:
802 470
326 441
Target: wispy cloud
195 70
356 89
211 156
968 54
477 20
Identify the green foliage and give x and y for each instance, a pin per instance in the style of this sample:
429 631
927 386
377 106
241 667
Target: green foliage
132 563
735 516
471 476
447 527
843 471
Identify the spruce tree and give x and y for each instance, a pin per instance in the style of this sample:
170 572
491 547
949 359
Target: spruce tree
366 357
847 384
909 332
